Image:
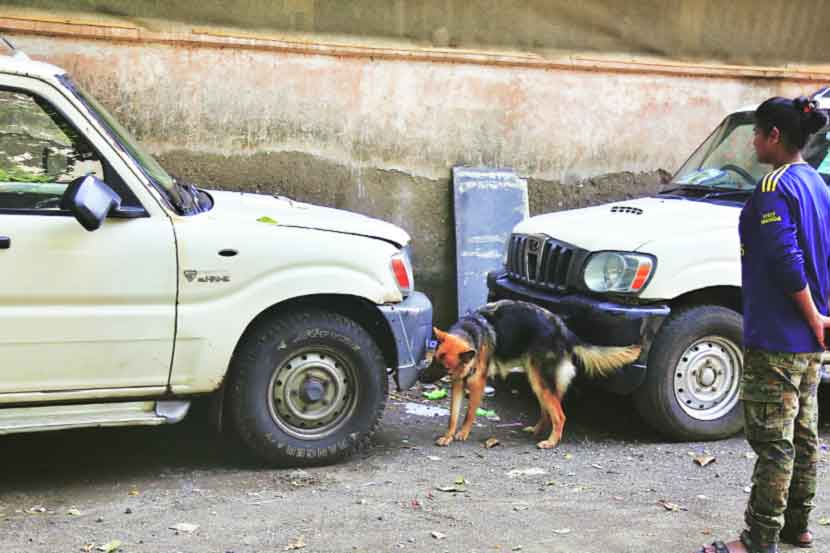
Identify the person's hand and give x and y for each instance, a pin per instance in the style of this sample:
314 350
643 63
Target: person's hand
819 324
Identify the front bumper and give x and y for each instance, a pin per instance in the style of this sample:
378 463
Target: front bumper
598 321
411 324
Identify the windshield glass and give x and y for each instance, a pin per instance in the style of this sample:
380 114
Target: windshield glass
727 159
151 168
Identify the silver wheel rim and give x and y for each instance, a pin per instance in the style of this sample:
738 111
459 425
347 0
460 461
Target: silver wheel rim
312 394
707 378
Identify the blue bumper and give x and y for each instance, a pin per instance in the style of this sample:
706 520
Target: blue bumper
598 321
411 324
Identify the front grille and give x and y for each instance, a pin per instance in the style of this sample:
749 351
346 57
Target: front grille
541 261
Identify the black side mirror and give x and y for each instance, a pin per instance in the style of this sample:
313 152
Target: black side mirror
90 200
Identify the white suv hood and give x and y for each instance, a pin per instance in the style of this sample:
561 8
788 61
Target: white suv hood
250 207
600 228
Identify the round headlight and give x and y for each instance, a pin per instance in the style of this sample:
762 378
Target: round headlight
617 272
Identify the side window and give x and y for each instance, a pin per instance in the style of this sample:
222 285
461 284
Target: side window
40 154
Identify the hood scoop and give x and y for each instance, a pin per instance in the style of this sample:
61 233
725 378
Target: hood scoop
625 209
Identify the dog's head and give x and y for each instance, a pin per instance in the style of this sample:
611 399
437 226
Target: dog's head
455 354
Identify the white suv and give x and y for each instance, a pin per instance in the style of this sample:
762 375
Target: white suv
664 272
127 292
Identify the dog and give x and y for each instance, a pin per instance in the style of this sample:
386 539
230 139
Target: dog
500 336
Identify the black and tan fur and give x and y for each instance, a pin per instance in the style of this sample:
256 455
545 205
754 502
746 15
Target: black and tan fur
498 337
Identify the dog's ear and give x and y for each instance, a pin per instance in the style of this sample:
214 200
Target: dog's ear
440 334
467 356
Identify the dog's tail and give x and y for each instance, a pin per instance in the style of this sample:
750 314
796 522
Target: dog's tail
600 361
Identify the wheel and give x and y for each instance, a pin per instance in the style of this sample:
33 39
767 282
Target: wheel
306 388
694 373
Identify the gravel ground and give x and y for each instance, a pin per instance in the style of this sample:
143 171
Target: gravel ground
600 491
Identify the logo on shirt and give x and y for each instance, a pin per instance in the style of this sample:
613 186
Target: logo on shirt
770 217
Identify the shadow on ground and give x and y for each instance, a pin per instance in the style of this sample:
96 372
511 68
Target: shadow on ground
38 462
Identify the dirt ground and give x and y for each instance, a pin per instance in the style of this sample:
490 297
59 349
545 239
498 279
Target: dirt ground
599 492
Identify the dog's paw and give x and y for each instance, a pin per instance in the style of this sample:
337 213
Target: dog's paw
462 435
443 441
547 444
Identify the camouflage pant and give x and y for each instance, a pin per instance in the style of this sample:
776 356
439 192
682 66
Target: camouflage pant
779 391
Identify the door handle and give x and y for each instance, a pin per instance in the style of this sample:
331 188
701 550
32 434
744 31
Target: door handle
5 242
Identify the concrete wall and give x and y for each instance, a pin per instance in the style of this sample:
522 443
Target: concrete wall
379 135
735 31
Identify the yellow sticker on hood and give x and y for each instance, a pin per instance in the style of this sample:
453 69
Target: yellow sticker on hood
267 220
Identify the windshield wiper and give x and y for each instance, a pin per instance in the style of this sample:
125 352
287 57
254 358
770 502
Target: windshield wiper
191 196
686 187
725 193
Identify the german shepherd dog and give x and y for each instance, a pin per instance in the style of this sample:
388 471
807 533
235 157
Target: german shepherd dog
503 335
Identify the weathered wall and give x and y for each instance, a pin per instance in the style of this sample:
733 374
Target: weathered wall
379 136
735 31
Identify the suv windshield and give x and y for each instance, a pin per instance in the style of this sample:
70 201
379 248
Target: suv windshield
162 180
726 160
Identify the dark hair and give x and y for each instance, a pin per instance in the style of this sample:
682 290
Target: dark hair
796 119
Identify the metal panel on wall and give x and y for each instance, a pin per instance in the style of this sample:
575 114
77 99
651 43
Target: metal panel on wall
488 204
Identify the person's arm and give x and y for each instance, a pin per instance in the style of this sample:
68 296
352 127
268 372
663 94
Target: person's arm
784 258
804 300
779 238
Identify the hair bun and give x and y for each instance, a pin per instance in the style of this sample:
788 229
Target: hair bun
812 120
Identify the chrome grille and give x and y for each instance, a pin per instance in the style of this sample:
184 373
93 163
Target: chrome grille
540 261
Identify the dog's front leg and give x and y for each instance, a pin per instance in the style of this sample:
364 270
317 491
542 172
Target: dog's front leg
457 398
476 389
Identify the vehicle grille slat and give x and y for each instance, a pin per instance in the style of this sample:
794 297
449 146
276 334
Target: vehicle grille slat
540 262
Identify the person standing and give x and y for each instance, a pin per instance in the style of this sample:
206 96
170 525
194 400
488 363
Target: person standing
785 263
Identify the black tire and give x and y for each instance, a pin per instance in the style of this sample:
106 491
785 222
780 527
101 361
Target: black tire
661 397
262 408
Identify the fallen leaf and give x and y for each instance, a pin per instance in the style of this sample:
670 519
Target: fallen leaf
519 507
73 512
435 395
88 547
598 467
707 532
451 489
114 545
489 413
535 471
433 458
669 506
704 460
824 521
460 481
491 443
37 510
562 531
568 456
517 548
438 535
133 493
298 544
267 220
185 528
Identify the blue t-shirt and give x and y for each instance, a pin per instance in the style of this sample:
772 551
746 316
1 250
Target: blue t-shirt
785 246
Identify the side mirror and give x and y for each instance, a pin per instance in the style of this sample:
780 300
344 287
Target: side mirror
90 200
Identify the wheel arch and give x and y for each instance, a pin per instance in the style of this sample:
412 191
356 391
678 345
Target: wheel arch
724 296
356 308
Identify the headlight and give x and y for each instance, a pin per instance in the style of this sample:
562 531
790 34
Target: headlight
402 271
618 272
